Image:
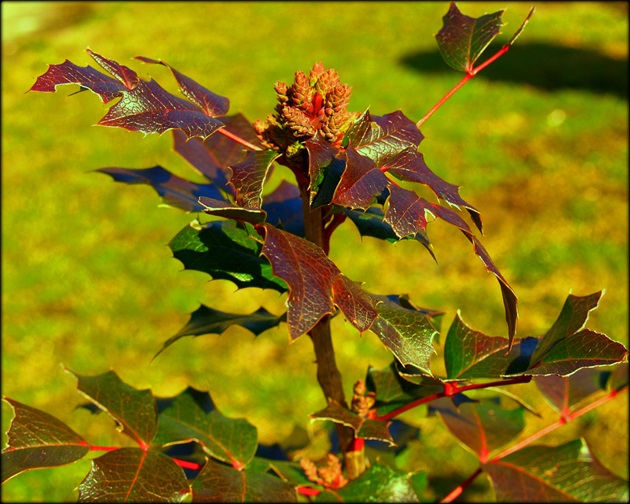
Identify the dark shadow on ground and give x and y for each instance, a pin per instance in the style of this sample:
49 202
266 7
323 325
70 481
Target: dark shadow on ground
544 66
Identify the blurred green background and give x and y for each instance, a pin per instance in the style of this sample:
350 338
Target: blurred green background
538 142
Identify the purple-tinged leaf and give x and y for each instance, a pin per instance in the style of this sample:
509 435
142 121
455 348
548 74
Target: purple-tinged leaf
87 77
134 475
284 208
149 108
619 377
406 213
379 483
223 208
471 354
510 302
221 483
227 439
409 165
321 154
308 272
565 393
248 177
565 473
356 304
37 440
175 191
363 427
212 156
126 76
462 39
360 183
382 137
212 104
482 426
133 410
225 251
205 320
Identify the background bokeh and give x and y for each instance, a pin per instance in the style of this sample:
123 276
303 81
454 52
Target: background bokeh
538 142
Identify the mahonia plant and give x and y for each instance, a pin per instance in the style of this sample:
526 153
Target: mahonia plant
347 166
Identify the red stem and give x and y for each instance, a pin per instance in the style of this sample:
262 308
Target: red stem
238 139
451 389
181 463
458 491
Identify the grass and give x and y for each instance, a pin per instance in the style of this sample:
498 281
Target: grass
538 141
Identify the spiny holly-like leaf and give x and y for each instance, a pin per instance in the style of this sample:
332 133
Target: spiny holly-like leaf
176 191
382 137
379 483
284 208
483 426
133 410
309 274
221 483
37 440
566 473
361 182
212 104
471 354
567 347
206 320
230 440
134 475
225 251
144 105
248 177
223 208
409 165
212 156
363 427
462 39
321 154
565 393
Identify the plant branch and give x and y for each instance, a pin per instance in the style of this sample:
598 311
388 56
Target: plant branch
238 139
458 491
451 389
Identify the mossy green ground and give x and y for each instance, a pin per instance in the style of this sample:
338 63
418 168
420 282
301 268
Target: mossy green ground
538 143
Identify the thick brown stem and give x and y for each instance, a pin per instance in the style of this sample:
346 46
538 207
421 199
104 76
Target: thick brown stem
328 374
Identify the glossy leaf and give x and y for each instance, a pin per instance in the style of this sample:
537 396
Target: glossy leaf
206 320
284 208
212 157
176 191
221 483
308 272
133 410
565 393
363 427
249 175
134 475
225 251
144 105
361 182
212 104
462 39
483 426
378 483
230 440
321 154
566 473
37 440
382 137
225 209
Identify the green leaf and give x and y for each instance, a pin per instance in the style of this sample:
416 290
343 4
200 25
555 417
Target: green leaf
363 427
223 208
248 177
134 475
379 484
37 440
462 39
206 320
175 191
230 440
133 410
220 483
225 251
565 473
483 426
